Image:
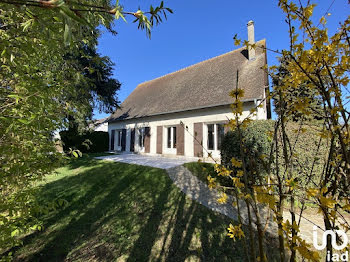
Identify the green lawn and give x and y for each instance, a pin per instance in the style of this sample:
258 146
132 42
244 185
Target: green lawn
122 212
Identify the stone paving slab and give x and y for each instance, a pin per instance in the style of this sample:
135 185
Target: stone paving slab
199 191
145 160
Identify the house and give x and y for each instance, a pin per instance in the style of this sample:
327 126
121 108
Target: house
99 125
183 113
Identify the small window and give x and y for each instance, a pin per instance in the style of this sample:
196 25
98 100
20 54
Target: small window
211 137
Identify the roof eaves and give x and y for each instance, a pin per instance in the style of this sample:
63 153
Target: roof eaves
180 111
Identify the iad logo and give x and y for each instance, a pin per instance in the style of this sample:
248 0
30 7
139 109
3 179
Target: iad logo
335 257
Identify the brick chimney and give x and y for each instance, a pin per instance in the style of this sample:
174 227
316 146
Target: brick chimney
251 51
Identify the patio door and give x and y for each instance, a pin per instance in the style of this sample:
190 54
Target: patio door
171 139
215 134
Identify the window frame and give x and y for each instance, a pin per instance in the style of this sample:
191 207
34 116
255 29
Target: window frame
168 139
214 135
219 136
171 137
211 137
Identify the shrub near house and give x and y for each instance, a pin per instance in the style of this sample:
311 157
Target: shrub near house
90 142
255 139
303 137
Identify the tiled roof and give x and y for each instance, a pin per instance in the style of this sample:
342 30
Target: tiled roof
202 85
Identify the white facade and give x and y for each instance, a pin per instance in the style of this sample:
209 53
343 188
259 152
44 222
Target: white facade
214 115
101 127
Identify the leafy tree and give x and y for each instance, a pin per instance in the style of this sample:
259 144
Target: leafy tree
38 85
303 95
96 89
318 65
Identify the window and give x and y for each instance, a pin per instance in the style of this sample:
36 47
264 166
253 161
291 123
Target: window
174 137
141 137
220 132
215 135
211 137
119 137
171 137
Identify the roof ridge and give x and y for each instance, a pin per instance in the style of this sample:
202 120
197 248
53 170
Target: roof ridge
202 62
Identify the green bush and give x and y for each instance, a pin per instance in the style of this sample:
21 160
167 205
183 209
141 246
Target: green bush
309 156
90 142
255 139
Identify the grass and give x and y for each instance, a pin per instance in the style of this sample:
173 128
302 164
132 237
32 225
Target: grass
122 212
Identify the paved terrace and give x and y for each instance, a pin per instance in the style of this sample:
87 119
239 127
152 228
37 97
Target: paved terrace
153 161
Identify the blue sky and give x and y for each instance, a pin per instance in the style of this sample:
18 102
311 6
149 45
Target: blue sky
198 30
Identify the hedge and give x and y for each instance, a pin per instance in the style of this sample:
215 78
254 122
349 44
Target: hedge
90 142
307 155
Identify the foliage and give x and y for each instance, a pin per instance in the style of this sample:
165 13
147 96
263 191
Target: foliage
30 112
311 164
88 142
96 89
80 12
302 93
256 142
37 84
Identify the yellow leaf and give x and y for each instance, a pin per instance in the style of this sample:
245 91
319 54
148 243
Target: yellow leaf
222 199
311 192
346 207
240 173
236 163
237 42
327 202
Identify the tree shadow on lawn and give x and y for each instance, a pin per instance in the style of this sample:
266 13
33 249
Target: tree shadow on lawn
129 212
193 233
